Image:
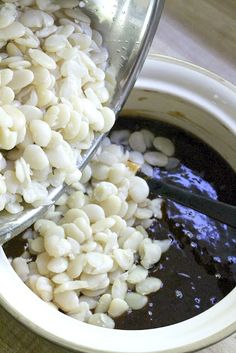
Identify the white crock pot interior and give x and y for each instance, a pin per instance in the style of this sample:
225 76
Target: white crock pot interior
204 104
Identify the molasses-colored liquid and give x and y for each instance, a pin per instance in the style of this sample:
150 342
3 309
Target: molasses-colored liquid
199 269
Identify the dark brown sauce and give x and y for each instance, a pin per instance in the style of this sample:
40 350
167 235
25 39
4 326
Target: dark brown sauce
15 247
200 267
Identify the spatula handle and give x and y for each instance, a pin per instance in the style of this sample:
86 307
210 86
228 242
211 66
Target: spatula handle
217 210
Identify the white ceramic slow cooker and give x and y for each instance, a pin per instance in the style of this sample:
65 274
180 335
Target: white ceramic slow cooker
204 104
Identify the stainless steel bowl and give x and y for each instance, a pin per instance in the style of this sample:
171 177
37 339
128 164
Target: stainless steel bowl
127 27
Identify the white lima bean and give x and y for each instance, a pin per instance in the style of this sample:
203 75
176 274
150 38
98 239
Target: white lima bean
92 303
148 285
44 287
52 94
102 320
136 142
136 301
103 303
148 137
82 312
67 301
117 307
92 261
150 253
139 189
164 145
21 267
41 132
136 157
172 163
137 274
156 159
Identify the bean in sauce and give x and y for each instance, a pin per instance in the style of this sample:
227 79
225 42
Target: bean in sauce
199 269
